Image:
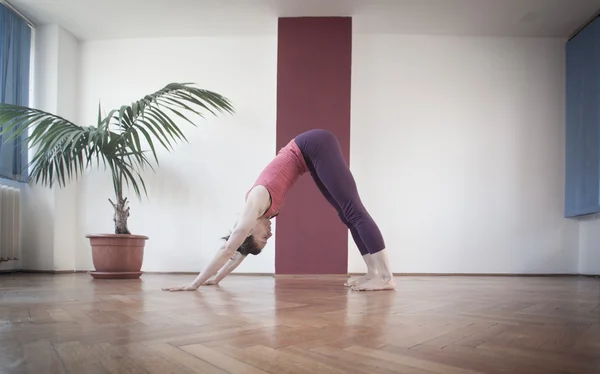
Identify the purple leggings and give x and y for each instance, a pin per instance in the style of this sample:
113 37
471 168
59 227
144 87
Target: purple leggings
330 172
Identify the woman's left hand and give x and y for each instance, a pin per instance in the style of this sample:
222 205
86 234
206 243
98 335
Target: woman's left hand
180 288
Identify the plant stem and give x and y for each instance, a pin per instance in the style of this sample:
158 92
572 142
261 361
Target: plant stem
121 209
121 215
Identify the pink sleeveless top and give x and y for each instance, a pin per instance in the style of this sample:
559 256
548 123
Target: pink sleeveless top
280 175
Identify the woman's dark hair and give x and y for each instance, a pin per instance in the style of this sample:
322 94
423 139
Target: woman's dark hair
249 246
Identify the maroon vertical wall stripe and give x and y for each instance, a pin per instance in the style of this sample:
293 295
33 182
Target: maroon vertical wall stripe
313 91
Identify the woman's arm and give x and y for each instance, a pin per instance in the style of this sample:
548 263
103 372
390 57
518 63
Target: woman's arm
233 263
257 202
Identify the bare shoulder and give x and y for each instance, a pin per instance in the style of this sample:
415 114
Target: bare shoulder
258 198
258 191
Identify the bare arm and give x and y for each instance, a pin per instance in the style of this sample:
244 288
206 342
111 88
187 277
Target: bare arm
256 204
233 263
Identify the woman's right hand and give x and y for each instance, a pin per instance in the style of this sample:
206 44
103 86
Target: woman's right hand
180 288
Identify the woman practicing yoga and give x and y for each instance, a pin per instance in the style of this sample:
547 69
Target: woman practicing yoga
317 152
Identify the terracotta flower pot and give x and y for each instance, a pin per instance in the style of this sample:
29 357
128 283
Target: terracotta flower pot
117 256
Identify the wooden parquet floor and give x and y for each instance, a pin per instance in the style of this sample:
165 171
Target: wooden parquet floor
444 325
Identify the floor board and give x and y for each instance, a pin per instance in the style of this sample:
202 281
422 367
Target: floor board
70 323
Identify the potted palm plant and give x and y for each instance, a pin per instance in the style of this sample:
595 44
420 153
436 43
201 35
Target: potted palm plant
121 141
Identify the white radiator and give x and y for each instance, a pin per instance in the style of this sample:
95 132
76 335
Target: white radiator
10 223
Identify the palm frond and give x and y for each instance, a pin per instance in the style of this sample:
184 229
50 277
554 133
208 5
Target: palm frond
65 150
60 143
150 117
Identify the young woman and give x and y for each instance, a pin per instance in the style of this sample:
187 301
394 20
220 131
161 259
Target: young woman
317 152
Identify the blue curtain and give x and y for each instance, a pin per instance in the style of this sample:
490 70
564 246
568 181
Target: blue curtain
15 44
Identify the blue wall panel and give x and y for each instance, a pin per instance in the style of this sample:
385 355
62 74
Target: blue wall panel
582 179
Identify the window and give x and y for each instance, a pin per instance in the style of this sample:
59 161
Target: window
15 50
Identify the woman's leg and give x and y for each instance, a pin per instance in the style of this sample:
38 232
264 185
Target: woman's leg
364 252
330 172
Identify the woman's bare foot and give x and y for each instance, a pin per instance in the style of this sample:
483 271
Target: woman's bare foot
383 278
376 284
358 281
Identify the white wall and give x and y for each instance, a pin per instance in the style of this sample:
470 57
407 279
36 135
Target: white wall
197 193
37 202
65 208
589 245
457 148
48 221
458 151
